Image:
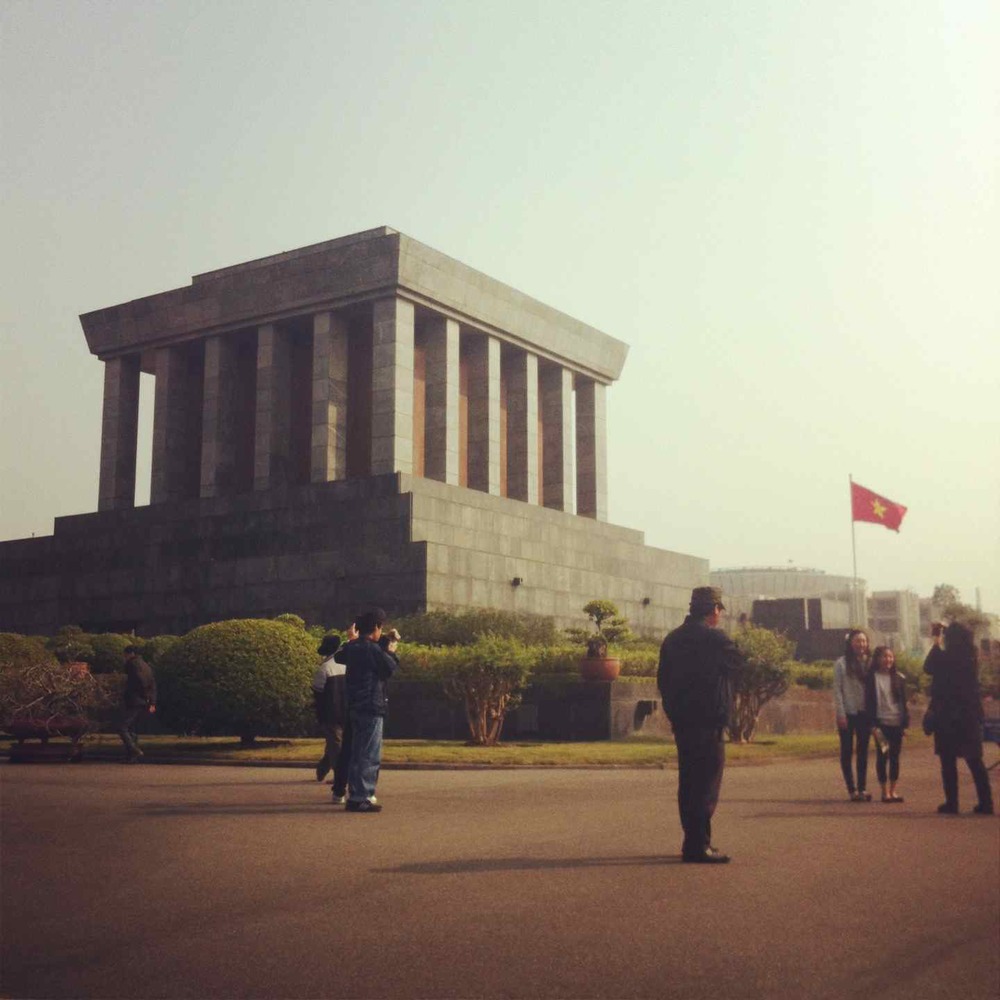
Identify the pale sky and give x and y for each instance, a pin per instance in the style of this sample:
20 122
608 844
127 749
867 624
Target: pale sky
788 209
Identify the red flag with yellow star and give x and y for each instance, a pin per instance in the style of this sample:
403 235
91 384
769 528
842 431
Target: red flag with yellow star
868 506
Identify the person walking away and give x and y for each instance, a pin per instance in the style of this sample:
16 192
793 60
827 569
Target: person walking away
849 673
330 701
695 679
957 711
139 700
369 668
888 718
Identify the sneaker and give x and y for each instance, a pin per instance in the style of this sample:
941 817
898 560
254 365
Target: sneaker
984 809
865 796
365 806
948 808
339 800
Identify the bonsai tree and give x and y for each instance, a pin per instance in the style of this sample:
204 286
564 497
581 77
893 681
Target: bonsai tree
608 627
247 676
488 677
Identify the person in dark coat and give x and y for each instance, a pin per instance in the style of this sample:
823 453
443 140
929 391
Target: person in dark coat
695 678
369 668
139 700
957 711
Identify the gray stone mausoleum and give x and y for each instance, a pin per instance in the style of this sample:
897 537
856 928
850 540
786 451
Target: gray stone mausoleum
363 420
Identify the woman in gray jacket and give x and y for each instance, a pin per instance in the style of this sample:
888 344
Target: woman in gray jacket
849 674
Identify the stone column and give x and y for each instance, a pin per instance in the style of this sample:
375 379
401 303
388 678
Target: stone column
172 421
392 386
272 437
556 403
119 433
484 414
224 411
522 427
329 398
441 448
591 450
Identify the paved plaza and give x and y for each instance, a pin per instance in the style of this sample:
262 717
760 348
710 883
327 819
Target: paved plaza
160 881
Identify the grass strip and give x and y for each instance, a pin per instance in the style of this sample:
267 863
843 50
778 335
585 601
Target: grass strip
636 751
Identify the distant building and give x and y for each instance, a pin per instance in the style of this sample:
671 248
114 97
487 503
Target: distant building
896 614
745 585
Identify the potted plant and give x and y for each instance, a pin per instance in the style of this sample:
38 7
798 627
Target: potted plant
608 627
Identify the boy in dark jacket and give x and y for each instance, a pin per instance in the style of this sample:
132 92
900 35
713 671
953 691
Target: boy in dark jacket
139 700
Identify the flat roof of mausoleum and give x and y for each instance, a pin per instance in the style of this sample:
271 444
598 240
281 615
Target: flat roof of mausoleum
337 274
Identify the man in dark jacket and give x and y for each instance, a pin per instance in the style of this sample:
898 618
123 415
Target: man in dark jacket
695 678
139 700
369 668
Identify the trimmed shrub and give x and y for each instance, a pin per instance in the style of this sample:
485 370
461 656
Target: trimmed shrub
814 676
488 678
765 676
457 628
246 676
71 644
153 650
107 652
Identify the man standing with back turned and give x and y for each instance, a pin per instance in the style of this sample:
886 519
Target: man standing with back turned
695 678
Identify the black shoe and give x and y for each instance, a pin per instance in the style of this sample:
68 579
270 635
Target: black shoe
709 856
948 808
322 770
363 807
984 809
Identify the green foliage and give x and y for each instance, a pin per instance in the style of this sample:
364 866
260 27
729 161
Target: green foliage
816 676
294 620
608 627
71 644
488 678
246 676
36 686
456 628
107 652
912 669
639 660
154 649
948 599
765 676
989 672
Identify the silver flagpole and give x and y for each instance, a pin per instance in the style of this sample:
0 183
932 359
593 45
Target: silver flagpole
855 603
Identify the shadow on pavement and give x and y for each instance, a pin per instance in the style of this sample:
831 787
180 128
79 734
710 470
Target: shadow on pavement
459 865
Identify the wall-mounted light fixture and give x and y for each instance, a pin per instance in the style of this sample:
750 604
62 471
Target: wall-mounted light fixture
516 582
646 602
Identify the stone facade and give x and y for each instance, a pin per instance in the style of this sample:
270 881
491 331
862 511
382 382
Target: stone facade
361 420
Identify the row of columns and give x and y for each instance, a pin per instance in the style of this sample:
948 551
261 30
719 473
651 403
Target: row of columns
259 409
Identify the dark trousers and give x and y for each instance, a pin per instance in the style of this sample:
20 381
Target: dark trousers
894 737
336 755
701 758
855 739
949 778
128 728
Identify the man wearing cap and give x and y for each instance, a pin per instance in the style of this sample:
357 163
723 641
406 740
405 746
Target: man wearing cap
369 668
695 678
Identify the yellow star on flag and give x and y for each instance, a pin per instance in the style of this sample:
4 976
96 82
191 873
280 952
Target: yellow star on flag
878 508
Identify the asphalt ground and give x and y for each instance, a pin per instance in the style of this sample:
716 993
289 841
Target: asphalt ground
159 881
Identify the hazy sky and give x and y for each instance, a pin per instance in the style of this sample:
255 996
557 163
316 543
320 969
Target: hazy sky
788 209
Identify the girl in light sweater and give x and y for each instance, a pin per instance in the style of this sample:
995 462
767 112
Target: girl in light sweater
849 674
885 698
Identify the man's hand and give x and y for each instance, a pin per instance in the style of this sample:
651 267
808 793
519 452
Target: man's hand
841 721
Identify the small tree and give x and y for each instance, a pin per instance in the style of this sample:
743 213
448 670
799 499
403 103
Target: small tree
766 675
608 626
246 676
488 677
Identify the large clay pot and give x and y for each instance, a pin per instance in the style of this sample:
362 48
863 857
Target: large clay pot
600 668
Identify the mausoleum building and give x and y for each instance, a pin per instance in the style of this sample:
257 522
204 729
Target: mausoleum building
361 420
